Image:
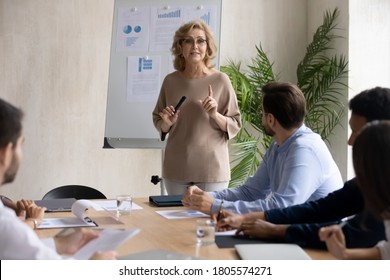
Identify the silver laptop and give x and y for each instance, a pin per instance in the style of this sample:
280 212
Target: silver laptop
270 251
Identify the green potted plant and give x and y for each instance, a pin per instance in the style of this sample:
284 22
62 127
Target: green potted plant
320 75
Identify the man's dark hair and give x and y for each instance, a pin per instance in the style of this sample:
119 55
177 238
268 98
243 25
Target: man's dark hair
10 123
373 104
286 102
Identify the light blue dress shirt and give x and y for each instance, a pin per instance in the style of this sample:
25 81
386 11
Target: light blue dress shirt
301 169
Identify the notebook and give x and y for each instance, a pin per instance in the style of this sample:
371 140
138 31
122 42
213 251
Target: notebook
271 251
166 200
229 241
57 204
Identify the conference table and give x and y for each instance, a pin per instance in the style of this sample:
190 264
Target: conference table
157 232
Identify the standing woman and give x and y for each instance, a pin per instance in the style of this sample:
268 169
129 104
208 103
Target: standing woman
197 147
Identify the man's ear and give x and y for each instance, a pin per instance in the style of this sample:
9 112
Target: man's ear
6 155
271 119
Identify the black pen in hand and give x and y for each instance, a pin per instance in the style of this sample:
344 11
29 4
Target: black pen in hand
182 99
164 134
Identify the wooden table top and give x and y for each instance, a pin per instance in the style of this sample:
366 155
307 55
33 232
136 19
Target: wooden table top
174 235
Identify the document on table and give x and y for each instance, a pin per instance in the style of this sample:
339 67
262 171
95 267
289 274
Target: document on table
226 232
80 220
109 240
181 214
110 205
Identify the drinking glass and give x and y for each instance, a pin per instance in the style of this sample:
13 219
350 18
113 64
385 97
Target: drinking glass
205 231
124 205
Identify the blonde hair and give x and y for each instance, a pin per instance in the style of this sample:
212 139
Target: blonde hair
176 49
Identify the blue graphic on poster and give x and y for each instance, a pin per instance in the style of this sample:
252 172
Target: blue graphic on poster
127 29
137 29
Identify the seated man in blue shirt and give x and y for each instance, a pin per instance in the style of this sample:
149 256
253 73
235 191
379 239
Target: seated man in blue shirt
296 168
300 223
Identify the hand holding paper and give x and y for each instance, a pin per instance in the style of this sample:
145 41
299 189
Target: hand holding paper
109 240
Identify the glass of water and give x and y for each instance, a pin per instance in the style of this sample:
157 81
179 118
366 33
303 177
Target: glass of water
124 205
205 231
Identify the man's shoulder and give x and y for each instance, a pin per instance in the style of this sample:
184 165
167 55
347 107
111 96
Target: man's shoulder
305 131
306 137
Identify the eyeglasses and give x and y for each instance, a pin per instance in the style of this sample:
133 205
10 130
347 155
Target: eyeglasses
191 41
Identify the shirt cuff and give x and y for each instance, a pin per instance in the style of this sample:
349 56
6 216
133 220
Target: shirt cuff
215 206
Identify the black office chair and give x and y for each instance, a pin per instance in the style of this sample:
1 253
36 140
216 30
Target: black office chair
76 191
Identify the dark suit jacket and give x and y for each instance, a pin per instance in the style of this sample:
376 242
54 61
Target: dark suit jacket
306 219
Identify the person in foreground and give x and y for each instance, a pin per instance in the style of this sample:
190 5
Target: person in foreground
297 167
18 240
26 210
300 223
197 147
371 156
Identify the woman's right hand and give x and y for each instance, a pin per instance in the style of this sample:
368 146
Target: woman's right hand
169 117
335 241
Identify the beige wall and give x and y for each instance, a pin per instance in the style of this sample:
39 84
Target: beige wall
280 26
369 48
54 64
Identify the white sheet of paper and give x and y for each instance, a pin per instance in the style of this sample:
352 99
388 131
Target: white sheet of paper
143 78
65 223
181 214
110 205
226 233
80 220
133 29
109 240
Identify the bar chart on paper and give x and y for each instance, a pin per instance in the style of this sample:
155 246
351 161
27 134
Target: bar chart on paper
172 14
140 59
206 18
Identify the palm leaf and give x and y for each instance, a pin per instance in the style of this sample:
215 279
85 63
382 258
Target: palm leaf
247 159
321 77
247 85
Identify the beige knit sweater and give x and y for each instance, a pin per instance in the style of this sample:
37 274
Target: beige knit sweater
196 149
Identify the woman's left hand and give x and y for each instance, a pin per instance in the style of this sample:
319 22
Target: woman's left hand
209 104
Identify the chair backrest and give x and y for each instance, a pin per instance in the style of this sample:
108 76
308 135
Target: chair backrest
76 191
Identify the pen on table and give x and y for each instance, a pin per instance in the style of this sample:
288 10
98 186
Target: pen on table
220 212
